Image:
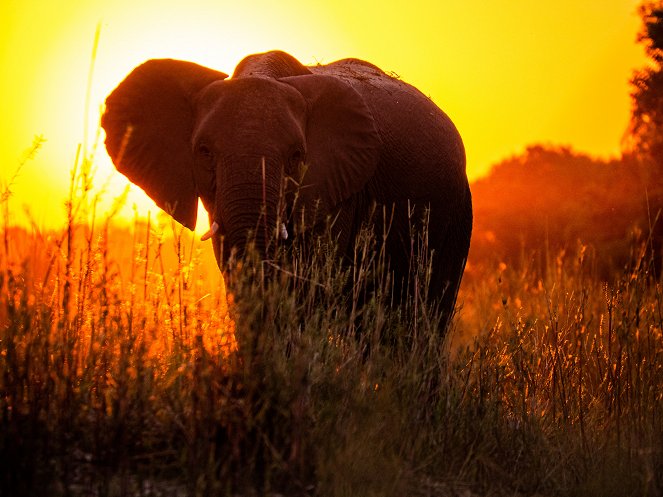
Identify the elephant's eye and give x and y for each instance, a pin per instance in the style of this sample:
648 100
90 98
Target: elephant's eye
205 152
296 158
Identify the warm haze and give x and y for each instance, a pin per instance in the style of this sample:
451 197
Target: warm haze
509 73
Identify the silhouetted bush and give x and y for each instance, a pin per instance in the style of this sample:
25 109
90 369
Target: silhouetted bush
532 205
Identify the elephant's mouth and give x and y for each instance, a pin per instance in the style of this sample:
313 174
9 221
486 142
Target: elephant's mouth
283 232
214 229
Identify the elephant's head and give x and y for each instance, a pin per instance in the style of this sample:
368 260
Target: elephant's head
182 132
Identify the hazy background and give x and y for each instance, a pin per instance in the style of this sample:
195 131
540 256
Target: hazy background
509 73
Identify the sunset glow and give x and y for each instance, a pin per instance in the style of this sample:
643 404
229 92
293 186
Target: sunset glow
509 73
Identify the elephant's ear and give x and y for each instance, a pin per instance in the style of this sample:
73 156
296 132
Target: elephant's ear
149 122
342 141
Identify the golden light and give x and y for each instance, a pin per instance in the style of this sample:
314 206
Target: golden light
509 73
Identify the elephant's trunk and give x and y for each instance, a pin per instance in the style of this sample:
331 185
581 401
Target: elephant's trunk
247 210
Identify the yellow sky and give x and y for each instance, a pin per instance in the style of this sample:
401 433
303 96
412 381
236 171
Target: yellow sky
508 72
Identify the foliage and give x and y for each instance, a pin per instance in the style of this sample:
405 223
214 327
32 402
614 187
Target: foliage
645 138
547 199
123 373
126 368
647 116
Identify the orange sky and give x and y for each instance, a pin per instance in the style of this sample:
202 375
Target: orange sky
508 72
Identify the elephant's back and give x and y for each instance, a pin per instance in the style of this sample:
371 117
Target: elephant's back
421 175
423 151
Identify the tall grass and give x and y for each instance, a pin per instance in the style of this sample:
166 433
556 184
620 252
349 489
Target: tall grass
572 366
126 369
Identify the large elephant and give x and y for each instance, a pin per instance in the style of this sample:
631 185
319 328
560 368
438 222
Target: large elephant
349 136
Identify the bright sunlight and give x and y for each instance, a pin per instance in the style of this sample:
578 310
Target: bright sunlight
560 73
332 364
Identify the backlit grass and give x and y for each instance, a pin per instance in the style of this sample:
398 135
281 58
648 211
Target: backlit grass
126 369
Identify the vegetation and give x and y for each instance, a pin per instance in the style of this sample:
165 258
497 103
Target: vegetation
126 370
646 131
549 198
557 197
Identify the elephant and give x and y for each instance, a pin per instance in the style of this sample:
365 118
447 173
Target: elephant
353 140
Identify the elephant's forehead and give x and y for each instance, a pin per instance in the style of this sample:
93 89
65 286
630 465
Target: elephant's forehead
240 110
250 95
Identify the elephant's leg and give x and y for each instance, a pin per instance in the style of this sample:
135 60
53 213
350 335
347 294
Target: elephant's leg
452 247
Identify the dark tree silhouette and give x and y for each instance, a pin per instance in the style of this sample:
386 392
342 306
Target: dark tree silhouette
550 198
646 128
647 115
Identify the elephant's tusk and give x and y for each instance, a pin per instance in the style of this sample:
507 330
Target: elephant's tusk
212 231
283 232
